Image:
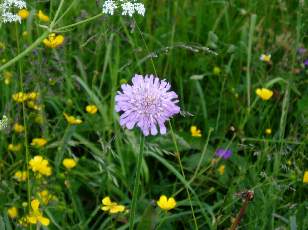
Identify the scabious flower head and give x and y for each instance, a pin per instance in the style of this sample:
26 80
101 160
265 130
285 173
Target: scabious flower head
12 212
21 176
264 94
166 203
72 120
265 58
42 17
23 14
53 41
39 142
7 7
306 63
40 165
69 163
305 178
195 132
92 109
224 153
147 103
36 215
111 207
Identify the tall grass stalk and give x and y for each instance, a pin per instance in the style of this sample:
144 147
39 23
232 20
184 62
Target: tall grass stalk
137 183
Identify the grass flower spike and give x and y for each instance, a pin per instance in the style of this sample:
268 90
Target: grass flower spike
195 132
147 103
264 94
166 203
53 41
111 207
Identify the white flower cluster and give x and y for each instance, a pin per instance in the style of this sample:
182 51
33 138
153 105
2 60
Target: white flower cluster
6 8
4 122
128 7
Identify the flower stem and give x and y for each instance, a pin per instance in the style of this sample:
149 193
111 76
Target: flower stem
178 156
24 115
136 184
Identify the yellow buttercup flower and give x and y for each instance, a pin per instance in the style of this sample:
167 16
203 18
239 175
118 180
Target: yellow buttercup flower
12 212
264 94
268 131
72 120
36 215
305 178
40 165
18 128
265 58
14 148
39 142
21 176
33 95
33 105
43 17
221 169
111 207
165 203
45 196
20 97
23 14
195 132
53 40
7 76
92 109
69 163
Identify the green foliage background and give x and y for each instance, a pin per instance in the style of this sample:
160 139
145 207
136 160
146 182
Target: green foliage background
181 41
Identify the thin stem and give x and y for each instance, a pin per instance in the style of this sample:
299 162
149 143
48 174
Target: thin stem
24 114
136 184
25 52
178 156
248 77
56 15
79 23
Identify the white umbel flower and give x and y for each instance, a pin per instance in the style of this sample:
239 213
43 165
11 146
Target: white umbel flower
7 8
109 7
4 122
128 8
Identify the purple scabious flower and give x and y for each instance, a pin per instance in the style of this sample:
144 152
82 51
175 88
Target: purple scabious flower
224 153
306 63
147 103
